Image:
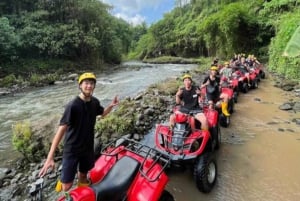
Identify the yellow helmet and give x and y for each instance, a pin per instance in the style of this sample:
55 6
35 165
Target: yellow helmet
226 63
214 68
86 76
187 76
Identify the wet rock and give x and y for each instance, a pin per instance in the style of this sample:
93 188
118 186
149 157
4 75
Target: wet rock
4 91
138 97
136 136
272 123
286 106
296 107
149 111
297 121
257 99
288 85
58 82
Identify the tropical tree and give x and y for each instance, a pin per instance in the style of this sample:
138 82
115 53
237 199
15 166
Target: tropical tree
292 48
9 41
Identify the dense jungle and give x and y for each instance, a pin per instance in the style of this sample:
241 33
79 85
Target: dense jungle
42 39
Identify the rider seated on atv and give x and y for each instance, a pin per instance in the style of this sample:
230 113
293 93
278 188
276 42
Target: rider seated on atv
226 71
245 65
212 84
188 97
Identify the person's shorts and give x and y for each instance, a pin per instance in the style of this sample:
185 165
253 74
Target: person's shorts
72 163
213 97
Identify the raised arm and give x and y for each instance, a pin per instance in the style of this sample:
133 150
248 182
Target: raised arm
178 96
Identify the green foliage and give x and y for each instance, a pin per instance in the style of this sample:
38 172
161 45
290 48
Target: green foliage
119 122
9 41
8 80
21 138
288 67
205 28
293 46
168 87
170 59
78 30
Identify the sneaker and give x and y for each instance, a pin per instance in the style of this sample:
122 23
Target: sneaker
58 187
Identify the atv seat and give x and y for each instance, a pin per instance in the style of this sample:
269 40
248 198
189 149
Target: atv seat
116 183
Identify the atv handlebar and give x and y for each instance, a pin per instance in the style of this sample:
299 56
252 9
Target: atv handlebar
190 112
150 155
134 146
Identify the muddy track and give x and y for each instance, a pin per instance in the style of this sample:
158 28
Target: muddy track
259 155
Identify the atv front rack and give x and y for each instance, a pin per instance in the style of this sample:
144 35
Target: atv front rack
150 157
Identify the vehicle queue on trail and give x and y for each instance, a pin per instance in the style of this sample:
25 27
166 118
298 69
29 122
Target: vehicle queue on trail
193 133
133 171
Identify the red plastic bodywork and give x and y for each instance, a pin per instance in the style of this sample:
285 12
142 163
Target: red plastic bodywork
163 135
141 188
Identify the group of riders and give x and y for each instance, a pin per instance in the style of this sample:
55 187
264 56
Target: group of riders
192 97
78 121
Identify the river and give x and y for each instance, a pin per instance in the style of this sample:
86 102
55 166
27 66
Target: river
259 155
128 80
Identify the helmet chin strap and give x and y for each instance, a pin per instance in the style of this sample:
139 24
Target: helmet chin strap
85 95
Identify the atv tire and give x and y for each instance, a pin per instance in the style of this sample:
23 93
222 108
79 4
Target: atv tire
205 172
166 196
235 97
224 120
262 75
216 136
255 84
245 87
231 106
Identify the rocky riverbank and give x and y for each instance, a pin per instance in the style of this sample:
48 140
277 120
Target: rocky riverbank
140 112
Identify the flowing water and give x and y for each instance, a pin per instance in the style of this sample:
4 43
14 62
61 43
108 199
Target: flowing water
128 80
259 155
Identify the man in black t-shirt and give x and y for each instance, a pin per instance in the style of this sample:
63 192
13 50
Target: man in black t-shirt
188 98
213 93
77 128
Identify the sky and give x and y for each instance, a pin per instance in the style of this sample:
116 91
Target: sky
138 11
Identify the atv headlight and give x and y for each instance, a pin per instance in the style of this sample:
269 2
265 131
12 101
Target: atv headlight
195 146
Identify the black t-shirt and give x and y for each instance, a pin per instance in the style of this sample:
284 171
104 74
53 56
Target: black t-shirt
213 87
190 98
80 116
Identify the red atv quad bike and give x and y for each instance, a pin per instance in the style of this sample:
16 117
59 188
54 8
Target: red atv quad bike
231 88
188 146
259 71
253 78
235 85
128 171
